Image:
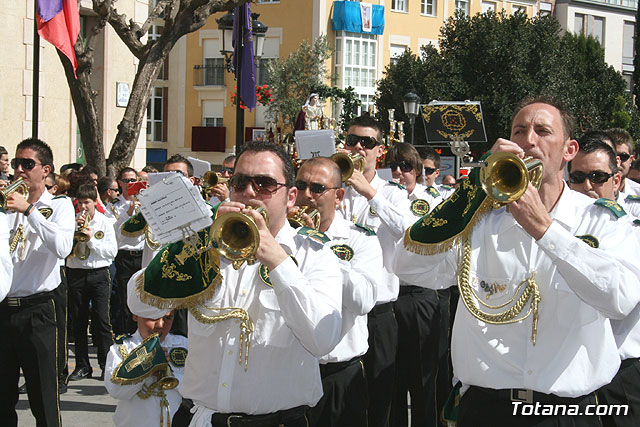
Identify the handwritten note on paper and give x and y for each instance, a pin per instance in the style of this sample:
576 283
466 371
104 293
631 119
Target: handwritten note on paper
172 206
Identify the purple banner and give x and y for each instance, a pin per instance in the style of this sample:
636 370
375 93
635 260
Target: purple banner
247 77
47 9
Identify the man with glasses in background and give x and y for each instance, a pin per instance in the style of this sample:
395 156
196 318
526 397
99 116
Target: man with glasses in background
107 191
220 192
129 258
384 207
255 332
624 148
42 228
5 178
431 162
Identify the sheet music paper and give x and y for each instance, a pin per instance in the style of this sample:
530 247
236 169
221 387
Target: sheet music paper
174 209
315 143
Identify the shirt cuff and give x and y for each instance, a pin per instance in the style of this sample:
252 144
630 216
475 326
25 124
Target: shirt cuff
285 275
556 241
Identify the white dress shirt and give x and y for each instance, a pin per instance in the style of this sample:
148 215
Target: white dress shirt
102 246
445 191
580 287
422 192
6 267
361 279
121 208
131 410
631 187
48 242
632 207
387 213
297 320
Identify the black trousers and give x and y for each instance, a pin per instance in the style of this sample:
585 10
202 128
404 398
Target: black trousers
344 402
418 315
483 407
624 389
29 341
90 287
380 362
127 264
60 298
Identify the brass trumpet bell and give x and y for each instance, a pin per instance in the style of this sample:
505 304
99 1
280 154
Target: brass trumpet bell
168 381
211 179
17 186
348 163
505 176
236 236
296 221
82 235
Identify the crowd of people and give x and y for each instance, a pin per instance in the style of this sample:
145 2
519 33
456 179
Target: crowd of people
349 320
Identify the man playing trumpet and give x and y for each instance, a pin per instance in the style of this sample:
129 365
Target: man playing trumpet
345 398
539 280
255 332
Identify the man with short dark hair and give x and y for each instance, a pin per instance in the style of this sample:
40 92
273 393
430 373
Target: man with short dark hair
594 170
130 247
431 162
5 178
107 191
345 398
220 192
255 331
624 148
384 207
42 229
540 280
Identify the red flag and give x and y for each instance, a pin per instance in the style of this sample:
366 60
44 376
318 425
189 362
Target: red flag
134 188
59 23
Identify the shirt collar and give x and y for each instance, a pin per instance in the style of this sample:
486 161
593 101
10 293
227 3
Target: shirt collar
45 199
338 228
285 237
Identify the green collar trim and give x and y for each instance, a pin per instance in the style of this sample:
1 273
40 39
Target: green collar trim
141 362
632 197
450 221
316 235
400 186
368 230
614 207
433 191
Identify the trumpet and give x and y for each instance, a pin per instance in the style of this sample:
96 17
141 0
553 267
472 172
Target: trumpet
211 179
505 176
17 186
167 381
348 163
236 236
82 236
296 221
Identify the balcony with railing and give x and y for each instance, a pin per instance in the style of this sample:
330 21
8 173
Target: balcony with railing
209 74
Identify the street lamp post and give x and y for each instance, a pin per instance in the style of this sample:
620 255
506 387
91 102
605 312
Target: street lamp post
225 25
411 103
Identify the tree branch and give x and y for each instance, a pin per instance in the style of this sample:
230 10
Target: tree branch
128 33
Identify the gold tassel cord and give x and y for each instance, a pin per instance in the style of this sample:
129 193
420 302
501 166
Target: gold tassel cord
246 325
511 315
18 236
156 390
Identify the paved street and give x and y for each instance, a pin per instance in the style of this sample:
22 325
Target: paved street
85 404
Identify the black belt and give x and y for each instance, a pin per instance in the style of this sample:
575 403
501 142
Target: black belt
267 420
331 368
381 308
27 301
410 289
628 362
528 396
130 253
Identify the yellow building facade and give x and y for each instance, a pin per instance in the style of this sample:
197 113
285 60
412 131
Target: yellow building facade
199 89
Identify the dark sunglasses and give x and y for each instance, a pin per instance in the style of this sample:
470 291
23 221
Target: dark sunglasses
624 157
115 189
596 177
261 184
226 169
429 171
27 164
403 165
49 187
129 180
367 142
313 186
